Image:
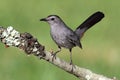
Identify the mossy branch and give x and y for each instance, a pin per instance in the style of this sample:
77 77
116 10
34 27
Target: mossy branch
30 45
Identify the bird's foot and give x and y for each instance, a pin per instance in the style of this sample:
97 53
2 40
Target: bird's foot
54 53
73 66
54 56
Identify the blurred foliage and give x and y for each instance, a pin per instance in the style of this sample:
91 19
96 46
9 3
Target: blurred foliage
101 44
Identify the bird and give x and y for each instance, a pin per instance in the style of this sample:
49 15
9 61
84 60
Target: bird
67 38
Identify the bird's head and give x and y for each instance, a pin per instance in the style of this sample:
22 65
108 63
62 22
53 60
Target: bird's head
52 19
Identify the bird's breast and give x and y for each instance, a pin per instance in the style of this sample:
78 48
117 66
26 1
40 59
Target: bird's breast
60 37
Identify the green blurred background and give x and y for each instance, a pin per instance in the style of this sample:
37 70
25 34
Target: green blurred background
101 44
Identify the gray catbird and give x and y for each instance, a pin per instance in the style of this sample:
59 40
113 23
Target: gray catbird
66 37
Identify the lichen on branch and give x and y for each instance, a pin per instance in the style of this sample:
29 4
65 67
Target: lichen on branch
24 41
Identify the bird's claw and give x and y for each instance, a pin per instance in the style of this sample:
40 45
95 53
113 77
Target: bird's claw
73 66
54 56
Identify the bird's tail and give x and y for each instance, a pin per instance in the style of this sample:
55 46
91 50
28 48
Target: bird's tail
92 20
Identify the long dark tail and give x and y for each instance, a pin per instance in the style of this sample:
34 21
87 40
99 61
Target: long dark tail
92 20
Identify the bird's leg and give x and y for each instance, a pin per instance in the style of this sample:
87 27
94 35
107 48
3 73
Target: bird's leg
71 62
54 55
70 56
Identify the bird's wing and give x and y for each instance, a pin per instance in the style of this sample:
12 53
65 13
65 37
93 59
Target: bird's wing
74 40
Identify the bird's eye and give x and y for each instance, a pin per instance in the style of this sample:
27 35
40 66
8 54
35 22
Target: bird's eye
52 19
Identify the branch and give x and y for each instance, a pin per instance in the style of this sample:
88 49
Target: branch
30 45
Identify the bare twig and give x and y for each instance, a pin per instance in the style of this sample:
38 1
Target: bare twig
30 45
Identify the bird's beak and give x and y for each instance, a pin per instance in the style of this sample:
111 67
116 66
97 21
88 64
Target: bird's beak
43 19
